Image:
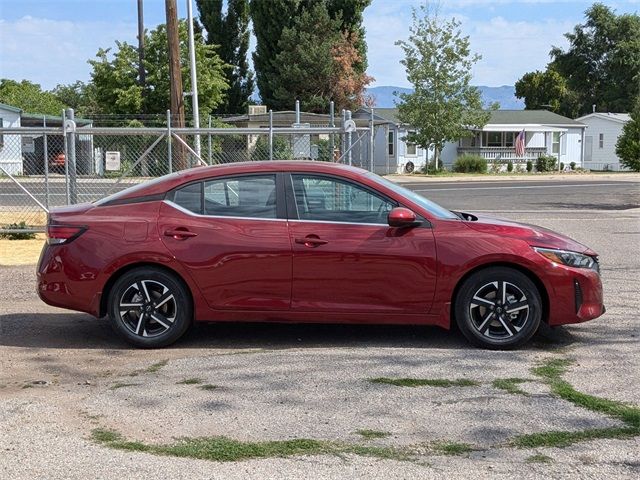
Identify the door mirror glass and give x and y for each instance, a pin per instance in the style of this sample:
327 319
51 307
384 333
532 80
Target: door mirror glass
402 217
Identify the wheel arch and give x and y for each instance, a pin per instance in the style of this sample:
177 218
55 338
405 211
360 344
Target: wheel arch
106 291
544 295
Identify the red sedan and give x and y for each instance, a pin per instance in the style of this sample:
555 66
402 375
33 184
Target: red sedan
308 242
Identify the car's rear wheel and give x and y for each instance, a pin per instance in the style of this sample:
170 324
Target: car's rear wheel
498 308
149 307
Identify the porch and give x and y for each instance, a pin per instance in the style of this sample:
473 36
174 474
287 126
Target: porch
503 154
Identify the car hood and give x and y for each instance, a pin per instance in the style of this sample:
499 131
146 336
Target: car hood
534 235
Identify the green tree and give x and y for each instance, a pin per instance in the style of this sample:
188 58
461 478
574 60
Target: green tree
115 77
628 146
272 18
317 64
547 90
79 96
230 32
29 97
601 66
443 106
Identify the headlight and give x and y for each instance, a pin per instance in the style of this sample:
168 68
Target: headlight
571 259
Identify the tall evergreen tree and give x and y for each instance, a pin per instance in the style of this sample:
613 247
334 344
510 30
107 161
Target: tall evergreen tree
230 32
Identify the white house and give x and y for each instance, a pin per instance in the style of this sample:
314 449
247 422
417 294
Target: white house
10 145
601 136
546 133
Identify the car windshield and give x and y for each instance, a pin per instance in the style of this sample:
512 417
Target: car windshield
428 205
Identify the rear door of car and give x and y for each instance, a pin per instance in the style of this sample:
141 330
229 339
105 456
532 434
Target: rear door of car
346 258
231 234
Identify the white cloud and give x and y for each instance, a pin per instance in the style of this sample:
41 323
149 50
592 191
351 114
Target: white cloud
508 48
50 52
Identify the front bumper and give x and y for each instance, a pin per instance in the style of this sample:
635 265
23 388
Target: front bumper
575 296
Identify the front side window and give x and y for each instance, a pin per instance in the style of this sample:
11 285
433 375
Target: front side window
246 196
332 200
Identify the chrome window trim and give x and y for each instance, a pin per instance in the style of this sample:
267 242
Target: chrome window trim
341 223
199 215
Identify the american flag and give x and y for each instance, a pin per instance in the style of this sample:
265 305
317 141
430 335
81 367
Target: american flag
520 139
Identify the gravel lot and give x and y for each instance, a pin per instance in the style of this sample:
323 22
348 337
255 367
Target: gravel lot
63 374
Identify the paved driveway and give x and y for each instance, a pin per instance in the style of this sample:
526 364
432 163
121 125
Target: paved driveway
63 375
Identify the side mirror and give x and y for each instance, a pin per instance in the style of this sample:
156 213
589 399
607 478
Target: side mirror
402 217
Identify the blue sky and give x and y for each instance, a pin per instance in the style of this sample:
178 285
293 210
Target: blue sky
50 41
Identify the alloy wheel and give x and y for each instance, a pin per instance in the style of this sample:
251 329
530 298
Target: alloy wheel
499 310
148 308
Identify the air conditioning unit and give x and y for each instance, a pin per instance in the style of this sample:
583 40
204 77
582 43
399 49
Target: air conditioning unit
257 109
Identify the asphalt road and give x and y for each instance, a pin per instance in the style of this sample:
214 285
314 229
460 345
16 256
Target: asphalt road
63 374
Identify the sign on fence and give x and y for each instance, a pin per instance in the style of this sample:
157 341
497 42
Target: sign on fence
28 145
112 161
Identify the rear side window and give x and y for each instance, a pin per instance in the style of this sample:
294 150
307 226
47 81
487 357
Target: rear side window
246 196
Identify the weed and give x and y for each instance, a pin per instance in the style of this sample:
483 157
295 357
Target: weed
189 381
510 385
118 385
562 438
552 369
156 366
371 434
539 458
421 382
208 386
452 448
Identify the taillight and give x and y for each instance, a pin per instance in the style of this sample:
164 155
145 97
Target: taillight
59 234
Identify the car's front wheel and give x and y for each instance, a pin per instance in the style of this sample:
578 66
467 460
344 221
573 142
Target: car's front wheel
149 307
498 308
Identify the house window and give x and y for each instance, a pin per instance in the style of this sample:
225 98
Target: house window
411 149
492 139
555 144
508 139
391 143
601 140
1 134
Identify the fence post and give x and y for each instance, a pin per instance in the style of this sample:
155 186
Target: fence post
349 138
270 134
344 135
69 126
45 154
209 142
169 153
372 143
331 137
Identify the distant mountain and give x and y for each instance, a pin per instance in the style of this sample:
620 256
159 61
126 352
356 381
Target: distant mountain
505 96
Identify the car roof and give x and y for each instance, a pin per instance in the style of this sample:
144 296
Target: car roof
168 182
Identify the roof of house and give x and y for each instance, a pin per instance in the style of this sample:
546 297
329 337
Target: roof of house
615 117
502 117
4 106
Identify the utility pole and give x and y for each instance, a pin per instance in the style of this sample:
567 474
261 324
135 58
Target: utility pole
175 77
141 71
194 77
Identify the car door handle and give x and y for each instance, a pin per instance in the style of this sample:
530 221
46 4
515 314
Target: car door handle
311 241
179 233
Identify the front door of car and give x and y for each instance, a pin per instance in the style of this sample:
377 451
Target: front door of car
231 234
345 256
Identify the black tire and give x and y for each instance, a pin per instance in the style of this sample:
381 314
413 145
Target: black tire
149 307
498 308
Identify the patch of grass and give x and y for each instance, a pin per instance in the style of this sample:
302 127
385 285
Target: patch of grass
561 438
371 434
223 449
510 385
452 448
539 458
552 369
118 385
208 386
189 381
422 382
156 366
27 385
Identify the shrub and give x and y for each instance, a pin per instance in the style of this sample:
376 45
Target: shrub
561 165
510 166
573 165
282 149
628 144
470 164
546 163
18 235
529 165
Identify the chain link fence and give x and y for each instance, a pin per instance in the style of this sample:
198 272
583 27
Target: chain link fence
42 168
